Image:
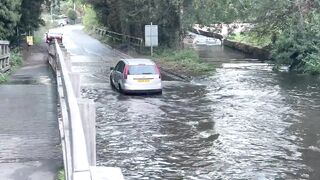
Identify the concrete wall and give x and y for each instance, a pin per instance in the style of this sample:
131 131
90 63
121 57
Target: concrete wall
256 52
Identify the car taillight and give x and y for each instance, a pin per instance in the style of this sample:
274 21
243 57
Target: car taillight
158 71
125 72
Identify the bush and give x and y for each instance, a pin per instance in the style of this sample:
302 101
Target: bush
60 175
72 15
3 78
15 61
15 58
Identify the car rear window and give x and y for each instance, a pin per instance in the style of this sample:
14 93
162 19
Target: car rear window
142 69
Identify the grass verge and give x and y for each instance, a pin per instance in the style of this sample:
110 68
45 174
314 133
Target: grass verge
184 61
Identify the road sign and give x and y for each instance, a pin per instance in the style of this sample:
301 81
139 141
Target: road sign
30 40
151 35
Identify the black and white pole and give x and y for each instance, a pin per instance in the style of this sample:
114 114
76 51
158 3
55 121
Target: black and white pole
151 48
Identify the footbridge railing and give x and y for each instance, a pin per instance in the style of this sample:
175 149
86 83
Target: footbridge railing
4 56
77 124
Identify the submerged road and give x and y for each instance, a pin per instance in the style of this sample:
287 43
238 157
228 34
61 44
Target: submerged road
241 122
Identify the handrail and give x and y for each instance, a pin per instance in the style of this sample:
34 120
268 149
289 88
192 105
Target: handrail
80 163
111 34
78 153
4 56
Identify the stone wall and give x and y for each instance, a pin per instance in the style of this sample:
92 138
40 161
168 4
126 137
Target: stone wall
256 52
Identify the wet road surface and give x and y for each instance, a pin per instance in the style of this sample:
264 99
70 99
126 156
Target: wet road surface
241 122
29 133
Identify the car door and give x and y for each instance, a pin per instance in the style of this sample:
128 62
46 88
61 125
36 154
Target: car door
118 72
114 74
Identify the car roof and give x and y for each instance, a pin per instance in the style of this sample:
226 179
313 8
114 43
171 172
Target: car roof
138 61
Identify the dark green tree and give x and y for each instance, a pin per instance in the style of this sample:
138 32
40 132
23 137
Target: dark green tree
9 17
30 15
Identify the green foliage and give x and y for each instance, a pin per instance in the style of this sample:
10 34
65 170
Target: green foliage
9 17
3 78
251 38
60 175
72 15
30 15
220 11
298 45
15 61
19 14
130 16
15 58
90 18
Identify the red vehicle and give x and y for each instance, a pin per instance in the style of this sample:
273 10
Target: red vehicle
50 36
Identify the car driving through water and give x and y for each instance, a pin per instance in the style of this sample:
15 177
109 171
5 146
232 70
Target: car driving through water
136 76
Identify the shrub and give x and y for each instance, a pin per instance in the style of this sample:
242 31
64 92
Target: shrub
15 58
72 15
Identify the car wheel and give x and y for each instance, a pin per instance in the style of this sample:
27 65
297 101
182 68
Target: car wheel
120 89
111 83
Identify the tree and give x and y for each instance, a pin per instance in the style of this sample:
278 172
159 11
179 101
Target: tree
30 15
9 17
130 17
72 15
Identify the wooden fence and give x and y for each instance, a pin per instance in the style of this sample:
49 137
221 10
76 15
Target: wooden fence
4 56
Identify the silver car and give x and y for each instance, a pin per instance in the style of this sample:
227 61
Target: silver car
136 75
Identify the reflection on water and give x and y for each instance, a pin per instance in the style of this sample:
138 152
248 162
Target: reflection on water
241 122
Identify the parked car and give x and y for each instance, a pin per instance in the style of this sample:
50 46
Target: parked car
62 22
51 35
136 76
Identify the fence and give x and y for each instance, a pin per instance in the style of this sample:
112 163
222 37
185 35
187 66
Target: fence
4 56
117 37
77 124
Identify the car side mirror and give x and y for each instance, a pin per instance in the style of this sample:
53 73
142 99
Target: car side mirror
111 68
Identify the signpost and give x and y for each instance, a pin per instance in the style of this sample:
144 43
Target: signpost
151 36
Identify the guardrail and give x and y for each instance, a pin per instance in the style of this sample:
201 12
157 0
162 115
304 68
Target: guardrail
134 41
4 56
77 124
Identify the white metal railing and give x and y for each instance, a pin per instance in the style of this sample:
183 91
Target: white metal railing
4 56
75 127
80 164
135 41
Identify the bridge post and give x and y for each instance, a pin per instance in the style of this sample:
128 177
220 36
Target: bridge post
88 116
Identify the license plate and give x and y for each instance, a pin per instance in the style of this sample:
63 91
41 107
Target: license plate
143 80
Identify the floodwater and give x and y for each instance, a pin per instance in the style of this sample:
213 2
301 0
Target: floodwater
243 121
